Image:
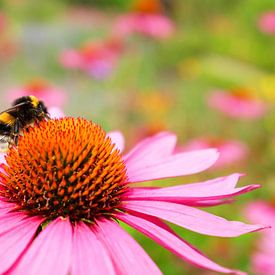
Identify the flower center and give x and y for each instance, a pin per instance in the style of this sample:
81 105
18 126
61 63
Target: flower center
145 6
64 167
242 93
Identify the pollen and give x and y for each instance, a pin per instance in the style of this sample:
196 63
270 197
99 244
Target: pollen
64 167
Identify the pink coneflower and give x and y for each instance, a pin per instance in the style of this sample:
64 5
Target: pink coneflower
237 104
231 151
146 19
2 21
66 186
266 22
263 261
97 58
41 89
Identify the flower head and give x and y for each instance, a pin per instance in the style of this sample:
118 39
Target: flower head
97 58
66 184
238 103
147 19
79 178
266 22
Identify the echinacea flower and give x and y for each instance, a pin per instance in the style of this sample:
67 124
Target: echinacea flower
146 19
266 22
66 186
97 58
263 260
231 151
2 21
238 103
41 89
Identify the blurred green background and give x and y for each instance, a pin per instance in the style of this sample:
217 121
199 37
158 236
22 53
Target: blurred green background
159 84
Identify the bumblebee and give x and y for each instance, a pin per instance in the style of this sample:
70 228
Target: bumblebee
24 111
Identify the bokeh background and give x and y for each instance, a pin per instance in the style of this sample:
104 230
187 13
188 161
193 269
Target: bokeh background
171 66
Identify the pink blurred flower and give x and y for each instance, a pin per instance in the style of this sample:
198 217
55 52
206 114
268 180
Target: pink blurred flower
266 22
154 25
41 89
97 58
263 261
61 216
8 47
237 104
231 151
146 19
2 21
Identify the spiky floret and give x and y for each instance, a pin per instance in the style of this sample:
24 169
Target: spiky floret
64 167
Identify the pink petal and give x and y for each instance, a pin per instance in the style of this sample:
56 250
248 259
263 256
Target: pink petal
6 205
260 212
9 220
192 218
218 188
55 112
171 166
15 238
2 158
50 252
127 254
89 255
151 149
207 203
118 139
168 239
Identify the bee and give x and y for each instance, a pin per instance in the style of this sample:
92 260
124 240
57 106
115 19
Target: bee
24 111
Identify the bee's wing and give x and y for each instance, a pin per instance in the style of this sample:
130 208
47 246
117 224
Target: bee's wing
4 139
7 120
9 115
14 108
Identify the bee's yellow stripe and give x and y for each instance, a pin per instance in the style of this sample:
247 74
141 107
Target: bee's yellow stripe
6 118
34 100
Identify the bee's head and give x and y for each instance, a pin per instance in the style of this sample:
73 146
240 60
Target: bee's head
39 107
42 110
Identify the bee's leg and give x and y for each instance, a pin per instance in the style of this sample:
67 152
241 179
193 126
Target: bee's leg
16 129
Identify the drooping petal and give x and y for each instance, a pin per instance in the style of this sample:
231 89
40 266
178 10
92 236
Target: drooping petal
89 255
192 218
151 149
127 254
209 203
14 238
50 252
9 220
171 166
118 139
219 188
168 239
